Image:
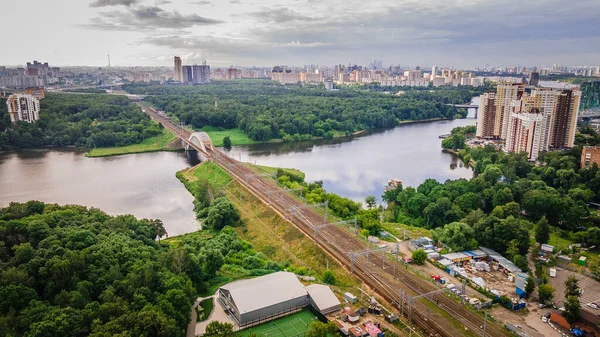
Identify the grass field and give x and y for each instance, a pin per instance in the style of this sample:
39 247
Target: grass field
209 171
236 135
152 144
289 326
268 232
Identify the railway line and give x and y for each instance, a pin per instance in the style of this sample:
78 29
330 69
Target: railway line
442 317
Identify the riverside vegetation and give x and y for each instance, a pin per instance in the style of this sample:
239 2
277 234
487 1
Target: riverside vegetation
76 271
87 121
265 110
507 199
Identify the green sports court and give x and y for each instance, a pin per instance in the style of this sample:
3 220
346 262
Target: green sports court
290 326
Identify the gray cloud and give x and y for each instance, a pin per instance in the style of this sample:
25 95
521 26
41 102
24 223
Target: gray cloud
233 2
281 15
201 3
108 3
424 32
162 2
147 18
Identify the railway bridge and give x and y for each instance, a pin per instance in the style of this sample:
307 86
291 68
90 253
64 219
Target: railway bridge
423 306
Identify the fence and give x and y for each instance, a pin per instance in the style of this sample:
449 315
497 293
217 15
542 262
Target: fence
577 270
516 330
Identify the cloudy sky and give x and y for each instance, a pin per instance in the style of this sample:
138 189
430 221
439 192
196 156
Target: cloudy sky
461 33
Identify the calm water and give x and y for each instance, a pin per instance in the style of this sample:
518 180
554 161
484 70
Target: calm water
363 165
145 184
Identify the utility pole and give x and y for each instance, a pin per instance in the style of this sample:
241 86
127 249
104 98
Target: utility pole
484 324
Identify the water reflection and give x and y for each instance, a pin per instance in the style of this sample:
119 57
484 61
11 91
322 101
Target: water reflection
359 166
143 184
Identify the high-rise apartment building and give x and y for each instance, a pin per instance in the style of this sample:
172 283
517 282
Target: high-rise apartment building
486 117
201 74
178 70
564 119
525 128
534 78
505 94
23 108
186 77
433 73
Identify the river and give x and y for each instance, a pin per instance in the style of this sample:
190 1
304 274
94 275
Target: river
145 184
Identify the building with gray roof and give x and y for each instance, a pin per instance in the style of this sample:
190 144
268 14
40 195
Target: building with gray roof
322 298
261 298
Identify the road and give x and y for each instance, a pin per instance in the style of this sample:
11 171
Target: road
438 315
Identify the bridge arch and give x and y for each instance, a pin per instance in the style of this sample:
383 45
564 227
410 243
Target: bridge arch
202 140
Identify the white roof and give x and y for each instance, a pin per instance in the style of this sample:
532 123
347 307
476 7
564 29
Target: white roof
323 297
264 291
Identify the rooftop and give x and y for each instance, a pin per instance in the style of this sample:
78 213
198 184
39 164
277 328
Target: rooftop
264 291
322 295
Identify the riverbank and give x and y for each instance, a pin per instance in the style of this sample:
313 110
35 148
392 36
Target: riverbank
266 230
167 141
426 120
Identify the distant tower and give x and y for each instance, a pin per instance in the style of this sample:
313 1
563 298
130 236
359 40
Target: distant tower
109 60
216 102
178 70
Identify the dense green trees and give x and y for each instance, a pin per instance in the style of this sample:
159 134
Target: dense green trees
74 271
456 235
80 120
266 109
500 205
457 138
222 213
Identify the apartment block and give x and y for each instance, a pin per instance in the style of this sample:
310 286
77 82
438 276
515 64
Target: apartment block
486 117
23 108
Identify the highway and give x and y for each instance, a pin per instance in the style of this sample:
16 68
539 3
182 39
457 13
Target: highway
436 314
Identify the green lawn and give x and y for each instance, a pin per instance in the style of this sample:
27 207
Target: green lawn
210 171
237 136
288 326
152 144
412 232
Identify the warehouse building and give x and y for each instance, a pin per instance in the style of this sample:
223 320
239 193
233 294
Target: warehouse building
263 298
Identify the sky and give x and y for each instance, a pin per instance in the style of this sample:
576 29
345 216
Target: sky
459 33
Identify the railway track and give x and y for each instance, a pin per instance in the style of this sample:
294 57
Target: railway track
442 317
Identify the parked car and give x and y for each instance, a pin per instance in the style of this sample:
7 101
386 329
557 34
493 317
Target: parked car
541 305
548 314
544 319
593 305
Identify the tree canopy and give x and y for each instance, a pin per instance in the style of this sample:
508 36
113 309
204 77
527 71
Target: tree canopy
266 109
80 120
76 271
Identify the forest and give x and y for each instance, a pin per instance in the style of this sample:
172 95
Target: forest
79 120
506 199
265 110
76 271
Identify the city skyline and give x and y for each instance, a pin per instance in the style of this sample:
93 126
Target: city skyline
460 33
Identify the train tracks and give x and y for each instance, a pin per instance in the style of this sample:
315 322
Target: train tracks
436 314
